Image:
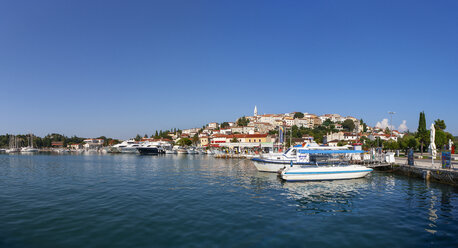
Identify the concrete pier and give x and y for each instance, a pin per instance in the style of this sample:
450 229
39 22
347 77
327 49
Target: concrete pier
426 170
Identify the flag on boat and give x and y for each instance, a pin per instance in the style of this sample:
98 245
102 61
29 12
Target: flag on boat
280 134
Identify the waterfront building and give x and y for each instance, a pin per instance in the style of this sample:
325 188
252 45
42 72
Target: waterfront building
218 139
76 146
93 143
203 140
57 144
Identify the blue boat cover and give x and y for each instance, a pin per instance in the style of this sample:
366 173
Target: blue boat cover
329 151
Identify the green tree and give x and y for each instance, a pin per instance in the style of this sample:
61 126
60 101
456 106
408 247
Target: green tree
327 122
298 115
422 132
184 142
387 130
364 125
224 125
234 140
296 133
195 139
391 145
440 124
348 125
412 142
138 137
243 121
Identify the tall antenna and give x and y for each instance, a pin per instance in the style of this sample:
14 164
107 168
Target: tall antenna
391 113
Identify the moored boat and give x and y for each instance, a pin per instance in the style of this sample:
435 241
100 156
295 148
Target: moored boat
182 150
127 146
148 150
319 173
273 162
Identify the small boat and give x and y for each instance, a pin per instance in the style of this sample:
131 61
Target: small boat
148 150
299 155
192 151
182 150
127 146
13 150
320 173
151 148
329 165
29 148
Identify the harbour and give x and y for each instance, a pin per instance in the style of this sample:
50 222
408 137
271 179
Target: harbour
228 124
123 200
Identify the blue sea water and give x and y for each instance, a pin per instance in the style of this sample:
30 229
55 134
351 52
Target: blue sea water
200 201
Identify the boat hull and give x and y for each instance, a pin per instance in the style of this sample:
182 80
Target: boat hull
268 167
325 173
129 150
148 150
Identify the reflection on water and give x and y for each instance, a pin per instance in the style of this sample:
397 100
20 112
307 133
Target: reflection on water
195 200
326 196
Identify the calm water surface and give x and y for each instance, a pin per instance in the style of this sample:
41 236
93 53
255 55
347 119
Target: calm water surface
199 201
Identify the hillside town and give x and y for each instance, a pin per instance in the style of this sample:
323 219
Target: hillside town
265 132
274 131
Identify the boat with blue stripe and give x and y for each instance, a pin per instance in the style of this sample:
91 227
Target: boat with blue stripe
302 155
321 173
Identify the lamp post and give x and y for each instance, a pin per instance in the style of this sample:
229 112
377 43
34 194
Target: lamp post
391 113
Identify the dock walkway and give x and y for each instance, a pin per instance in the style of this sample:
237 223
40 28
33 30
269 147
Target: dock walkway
424 168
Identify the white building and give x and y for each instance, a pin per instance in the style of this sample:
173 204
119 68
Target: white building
212 125
332 117
190 131
93 143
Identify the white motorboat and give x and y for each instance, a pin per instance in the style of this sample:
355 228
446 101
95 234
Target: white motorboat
320 173
12 150
182 150
273 162
153 148
127 146
29 149
192 150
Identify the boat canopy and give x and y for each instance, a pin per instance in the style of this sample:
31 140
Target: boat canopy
329 151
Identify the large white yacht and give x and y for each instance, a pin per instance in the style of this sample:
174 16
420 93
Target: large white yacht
127 146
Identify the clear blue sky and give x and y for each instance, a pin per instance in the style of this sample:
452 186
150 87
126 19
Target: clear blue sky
118 68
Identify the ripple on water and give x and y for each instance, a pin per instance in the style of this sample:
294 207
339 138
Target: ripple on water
129 200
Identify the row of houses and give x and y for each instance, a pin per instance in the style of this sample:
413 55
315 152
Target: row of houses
332 139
